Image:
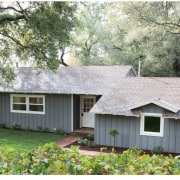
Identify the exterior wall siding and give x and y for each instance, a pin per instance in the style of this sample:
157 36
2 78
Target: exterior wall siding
57 114
129 132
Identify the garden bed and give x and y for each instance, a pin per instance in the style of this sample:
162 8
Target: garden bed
109 149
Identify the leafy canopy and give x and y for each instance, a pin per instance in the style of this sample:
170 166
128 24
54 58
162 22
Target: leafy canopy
35 32
128 32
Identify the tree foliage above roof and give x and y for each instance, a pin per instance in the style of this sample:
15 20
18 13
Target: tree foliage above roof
36 32
100 33
129 32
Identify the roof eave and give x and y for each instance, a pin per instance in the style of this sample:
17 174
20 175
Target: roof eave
170 107
115 114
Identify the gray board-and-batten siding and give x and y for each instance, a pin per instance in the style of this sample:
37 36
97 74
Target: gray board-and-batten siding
129 132
57 113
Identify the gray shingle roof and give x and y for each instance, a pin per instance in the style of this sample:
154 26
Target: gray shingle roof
67 80
131 93
121 95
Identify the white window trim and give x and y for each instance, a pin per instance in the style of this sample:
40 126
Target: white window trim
27 103
142 132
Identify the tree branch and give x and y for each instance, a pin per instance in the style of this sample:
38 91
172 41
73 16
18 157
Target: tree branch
11 18
62 57
22 10
116 47
170 24
12 38
10 8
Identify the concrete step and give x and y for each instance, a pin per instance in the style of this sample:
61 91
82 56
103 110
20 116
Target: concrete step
83 132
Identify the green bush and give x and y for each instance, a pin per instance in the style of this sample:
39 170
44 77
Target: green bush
90 137
59 131
2 126
53 160
82 141
158 150
16 126
114 133
91 143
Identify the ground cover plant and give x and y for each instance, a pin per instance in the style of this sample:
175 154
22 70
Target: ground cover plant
53 160
25 141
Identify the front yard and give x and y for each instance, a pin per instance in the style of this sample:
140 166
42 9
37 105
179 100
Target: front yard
25 141
49 159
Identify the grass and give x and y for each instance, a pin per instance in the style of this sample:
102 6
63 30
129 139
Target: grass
25 141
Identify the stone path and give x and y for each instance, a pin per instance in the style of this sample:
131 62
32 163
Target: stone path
66 141
70 139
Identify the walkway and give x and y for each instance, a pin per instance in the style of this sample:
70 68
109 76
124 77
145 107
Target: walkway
66 141
70 139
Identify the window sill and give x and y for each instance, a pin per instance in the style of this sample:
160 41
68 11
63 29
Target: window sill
27 112
151 134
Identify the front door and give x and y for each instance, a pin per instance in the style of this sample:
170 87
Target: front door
87 102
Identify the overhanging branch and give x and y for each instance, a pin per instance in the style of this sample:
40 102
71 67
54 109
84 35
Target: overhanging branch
12 38
10 8
167 24
8 18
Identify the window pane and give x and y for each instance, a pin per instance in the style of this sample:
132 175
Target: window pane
88 104
19 99
20 107
151 124
38 108
36 100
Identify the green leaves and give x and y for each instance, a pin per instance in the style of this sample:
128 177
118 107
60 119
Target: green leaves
50 159
35 32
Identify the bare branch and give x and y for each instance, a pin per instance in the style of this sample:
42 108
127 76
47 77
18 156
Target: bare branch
169 24
116 47
11 19
10 8
62 57
12 38
22 10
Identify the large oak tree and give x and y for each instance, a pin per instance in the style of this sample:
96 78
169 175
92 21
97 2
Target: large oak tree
36 32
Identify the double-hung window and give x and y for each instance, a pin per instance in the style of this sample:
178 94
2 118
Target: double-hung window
33 104
151 124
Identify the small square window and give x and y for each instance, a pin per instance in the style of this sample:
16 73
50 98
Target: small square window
151 124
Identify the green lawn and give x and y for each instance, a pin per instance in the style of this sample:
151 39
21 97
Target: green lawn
24 141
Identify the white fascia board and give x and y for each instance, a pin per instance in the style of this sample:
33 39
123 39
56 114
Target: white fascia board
158 102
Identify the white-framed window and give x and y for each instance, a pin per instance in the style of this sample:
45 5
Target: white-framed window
151 124
23 103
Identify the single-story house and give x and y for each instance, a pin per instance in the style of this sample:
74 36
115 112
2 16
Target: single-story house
146 111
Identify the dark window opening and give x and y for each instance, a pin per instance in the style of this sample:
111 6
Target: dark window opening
152 124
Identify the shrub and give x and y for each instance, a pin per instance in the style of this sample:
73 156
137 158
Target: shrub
2 126
16 126
59 131
50 159
91 143
158 150
90 137
114 133
82 142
